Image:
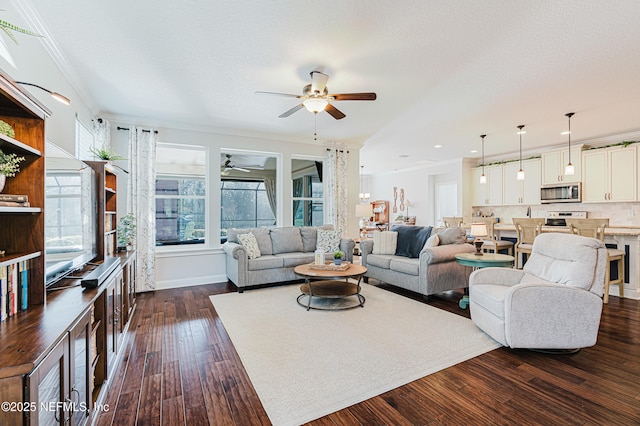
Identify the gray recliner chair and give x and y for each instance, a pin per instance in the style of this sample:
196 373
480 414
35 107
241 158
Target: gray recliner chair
554 303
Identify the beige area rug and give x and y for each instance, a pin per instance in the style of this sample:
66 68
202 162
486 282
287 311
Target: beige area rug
306 364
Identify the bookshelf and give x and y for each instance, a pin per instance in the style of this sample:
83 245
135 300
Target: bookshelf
107 181
22 236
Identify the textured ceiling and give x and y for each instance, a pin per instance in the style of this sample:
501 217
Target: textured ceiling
444 71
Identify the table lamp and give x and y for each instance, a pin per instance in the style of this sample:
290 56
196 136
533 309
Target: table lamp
364 211
478 230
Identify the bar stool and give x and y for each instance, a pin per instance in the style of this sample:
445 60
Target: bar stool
527 230
595 228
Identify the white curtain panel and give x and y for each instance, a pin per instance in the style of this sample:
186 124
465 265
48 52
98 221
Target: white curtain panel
141 202
337 189
102 133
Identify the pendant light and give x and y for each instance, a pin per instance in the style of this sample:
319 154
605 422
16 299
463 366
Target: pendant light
483 177
520 172
569 170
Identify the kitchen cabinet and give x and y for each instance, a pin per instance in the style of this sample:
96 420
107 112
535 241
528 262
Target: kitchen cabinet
525 191
609 174
554 162
490 193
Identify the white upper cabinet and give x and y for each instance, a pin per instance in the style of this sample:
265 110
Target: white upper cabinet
490 193
525 191
554 162
609 174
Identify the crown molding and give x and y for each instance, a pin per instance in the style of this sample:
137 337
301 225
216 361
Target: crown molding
26 10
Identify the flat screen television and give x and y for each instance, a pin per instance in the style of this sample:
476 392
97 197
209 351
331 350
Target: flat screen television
70 214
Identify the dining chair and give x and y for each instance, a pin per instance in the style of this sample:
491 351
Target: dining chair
491 244
527 229
452 221
594 228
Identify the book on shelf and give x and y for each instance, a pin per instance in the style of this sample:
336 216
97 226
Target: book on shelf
16 198
4 291
14 204
13 288
24 286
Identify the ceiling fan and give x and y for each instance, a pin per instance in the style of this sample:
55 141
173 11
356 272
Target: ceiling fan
317 98
227 166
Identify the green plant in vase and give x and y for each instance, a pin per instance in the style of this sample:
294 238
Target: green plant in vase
126 231
106 154
9 166
337 257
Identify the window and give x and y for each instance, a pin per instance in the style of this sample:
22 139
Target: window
308 193
64 219
181 200
245 204
84 142
248 198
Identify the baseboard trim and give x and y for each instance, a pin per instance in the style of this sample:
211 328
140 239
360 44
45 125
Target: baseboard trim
190 282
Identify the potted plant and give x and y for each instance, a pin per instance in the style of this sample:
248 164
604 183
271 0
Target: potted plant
126 231
337 257
9 166
105 154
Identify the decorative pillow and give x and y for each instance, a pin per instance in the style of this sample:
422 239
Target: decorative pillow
261 234
384 242
433 241
327 240
411 239
310 236
250 243
453 235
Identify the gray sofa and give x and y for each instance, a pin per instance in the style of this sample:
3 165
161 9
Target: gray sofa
282 249
434 271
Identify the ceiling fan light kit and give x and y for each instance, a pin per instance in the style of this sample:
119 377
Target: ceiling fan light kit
316 97
315 105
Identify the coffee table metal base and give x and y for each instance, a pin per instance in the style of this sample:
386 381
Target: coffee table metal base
330 289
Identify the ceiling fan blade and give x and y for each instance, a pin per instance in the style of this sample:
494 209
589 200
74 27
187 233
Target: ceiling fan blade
318 81
334 112
291 111
370 96
280 94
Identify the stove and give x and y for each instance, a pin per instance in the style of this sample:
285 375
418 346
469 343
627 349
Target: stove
557 218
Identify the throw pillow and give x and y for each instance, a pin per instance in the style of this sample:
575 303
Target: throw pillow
411 239
384 242
250 243
329 241
310 236
453 235
433 241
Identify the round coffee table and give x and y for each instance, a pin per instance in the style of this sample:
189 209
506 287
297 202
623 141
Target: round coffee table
484 261
330 284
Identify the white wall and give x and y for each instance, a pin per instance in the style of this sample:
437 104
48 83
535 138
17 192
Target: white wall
419 188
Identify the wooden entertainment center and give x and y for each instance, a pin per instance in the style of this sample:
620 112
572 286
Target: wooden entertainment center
58 355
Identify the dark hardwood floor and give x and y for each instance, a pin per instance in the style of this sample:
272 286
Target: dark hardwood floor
179 367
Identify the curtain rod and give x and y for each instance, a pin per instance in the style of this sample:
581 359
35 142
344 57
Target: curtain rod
146 131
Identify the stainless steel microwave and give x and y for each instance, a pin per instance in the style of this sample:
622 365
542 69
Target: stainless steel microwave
568 193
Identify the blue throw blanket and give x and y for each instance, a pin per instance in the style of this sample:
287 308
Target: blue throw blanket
411 239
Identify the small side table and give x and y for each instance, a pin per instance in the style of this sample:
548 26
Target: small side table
484 261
